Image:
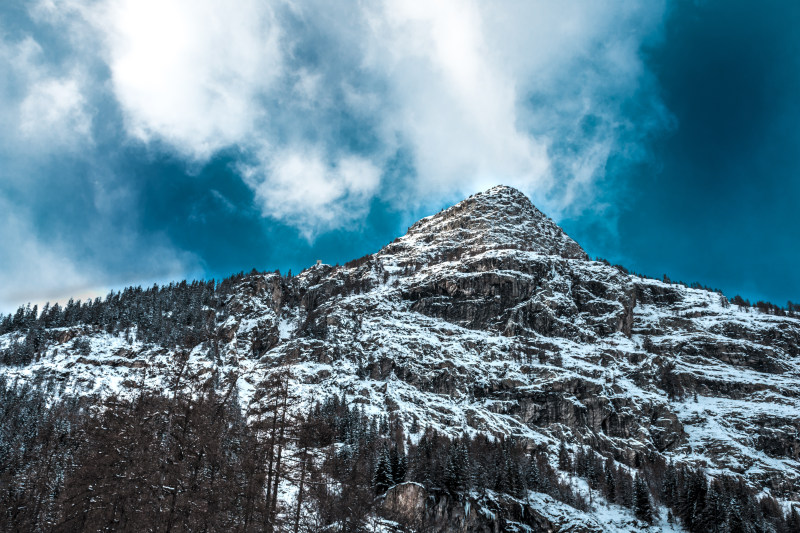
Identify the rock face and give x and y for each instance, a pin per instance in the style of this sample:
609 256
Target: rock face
487 317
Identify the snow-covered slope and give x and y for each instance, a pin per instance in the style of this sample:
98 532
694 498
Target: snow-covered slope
487 317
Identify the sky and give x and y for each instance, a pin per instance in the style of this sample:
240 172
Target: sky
147 141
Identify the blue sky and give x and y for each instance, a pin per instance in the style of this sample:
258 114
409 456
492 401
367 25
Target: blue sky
147 141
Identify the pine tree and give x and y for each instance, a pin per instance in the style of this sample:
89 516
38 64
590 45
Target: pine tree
793 521
382 479
456 470
420 461
610 482
533 477
564 462
397 462
713 517
736 519
594 471
514 476
669 486
643 508
692 499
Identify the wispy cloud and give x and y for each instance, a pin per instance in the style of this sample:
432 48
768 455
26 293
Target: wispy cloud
44 106
311 193
54 111
31 270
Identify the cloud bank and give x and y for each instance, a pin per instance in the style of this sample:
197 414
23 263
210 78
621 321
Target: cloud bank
321 108
473 93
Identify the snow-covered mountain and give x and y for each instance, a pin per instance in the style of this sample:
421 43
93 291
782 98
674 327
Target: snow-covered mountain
486 318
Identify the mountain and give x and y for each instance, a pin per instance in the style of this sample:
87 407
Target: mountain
484 327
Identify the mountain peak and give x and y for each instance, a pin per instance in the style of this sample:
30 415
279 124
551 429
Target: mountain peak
503 191
499 218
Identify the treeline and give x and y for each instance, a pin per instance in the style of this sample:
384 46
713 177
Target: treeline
664 278
179 314
791 309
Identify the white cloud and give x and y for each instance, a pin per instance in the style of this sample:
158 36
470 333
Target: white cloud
305 190
456 104
54 110
487 93
530 94
188 72
44 106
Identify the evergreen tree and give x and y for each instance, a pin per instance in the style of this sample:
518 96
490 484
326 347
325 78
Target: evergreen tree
643 508
382 478
533 478
514 475
713 517
692 499
736 519
456 469
594 470
397 462
564 462
610 482
793 521
669 486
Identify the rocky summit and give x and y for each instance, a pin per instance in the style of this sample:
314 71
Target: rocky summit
484 325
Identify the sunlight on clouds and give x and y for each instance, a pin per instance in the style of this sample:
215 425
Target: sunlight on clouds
478 93
35 269
31 270
488 93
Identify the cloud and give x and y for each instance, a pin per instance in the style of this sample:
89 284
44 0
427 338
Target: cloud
535 95
190 73
529 94
485 93
38 267
307 95
450 99
32 270
54 110
45 108
68 208
304 190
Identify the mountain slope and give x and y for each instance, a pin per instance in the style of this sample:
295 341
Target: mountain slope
487 319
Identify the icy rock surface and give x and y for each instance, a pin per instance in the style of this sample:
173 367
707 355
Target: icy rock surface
487 317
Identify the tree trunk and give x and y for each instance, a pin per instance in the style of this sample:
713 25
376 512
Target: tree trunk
300 493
